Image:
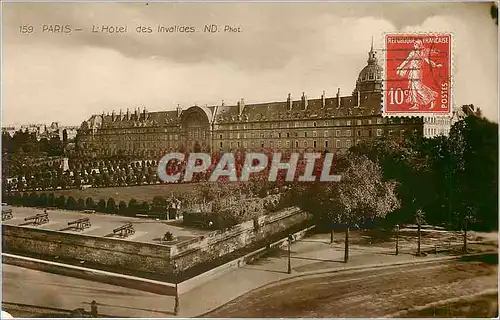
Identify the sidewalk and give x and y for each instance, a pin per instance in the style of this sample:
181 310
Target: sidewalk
310 255
307 256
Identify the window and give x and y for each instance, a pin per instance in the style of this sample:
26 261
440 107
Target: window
359 133
230 144
348 122
337 144
337 122
238 144
348 144
288 134
230 135
270 134
315 134
314 124
325 134
359 122
262 134
337 133
279 134
296 144
305 144
244 144
296 124
279 144
369 133
379 120
390 132
379 132
244 135
244 126
305 134
288 144
369 121
238 135
314 144
326 144
262 144
348 133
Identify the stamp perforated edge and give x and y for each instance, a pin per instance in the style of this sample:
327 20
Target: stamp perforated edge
448 114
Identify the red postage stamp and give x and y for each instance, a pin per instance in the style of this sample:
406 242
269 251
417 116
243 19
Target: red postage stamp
418 74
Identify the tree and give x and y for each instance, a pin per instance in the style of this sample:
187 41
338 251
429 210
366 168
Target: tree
89 203
80 204
133 206
71 203
111 205
60 202
122 207
101 205
362 195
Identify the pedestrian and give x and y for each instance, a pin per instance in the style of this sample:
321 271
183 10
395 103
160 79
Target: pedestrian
93 309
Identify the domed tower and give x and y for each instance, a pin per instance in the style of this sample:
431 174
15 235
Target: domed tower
370 78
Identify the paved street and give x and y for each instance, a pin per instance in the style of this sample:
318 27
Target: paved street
308 256
375 293
146 230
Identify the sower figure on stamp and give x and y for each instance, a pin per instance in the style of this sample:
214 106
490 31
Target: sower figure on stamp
418 93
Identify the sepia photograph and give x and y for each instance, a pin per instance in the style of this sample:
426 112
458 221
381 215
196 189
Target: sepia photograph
249 159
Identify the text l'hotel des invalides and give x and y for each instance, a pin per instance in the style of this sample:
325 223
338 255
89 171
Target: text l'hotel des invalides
332 124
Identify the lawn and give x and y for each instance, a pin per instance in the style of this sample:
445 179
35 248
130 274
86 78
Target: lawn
139 193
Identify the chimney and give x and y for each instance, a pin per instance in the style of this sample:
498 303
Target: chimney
144 113
338 98
323 102
121 115
113 116
179 110
304 100
290 102
128 114
241 106
137 113
222 104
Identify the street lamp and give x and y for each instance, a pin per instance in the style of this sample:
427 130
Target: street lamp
176 274
397 239
290 238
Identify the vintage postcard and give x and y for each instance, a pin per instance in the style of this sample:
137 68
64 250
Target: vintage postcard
249 159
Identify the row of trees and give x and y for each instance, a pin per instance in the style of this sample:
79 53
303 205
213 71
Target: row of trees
70 203
451 181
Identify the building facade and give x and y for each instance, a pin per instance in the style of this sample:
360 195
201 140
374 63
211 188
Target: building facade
331 124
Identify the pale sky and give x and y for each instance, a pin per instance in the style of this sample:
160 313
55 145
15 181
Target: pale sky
282 48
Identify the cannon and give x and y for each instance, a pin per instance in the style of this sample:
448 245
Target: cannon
81 224
38 219
125 230
6 214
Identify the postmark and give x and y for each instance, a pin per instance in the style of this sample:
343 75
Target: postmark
418 74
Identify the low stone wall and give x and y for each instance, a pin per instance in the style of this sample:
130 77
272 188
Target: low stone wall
125 256
102 251
219 243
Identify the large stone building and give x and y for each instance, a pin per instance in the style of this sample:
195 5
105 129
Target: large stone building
326 123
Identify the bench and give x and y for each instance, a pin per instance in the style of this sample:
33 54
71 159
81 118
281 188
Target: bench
81 224
7 214
125 230
38 219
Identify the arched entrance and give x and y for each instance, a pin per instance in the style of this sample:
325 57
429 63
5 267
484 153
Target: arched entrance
195 130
